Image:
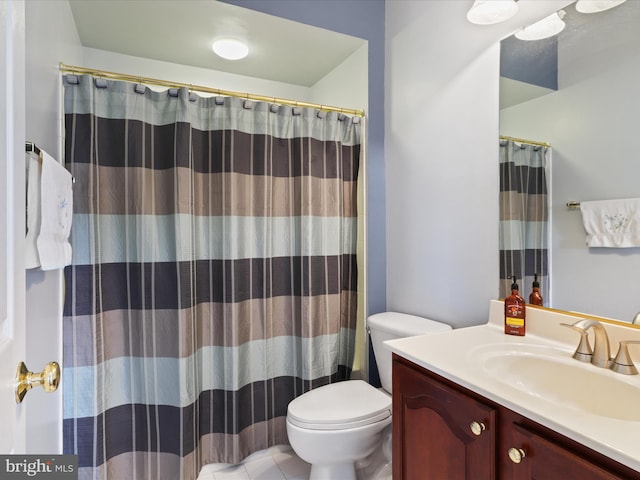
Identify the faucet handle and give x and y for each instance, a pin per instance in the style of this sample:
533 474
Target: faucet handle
623 363
584 352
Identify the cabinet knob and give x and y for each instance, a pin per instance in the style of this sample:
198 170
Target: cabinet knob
477 428
516 454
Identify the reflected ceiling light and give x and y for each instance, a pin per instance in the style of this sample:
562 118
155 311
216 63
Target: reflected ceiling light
488 12
547 27
595 6
230 49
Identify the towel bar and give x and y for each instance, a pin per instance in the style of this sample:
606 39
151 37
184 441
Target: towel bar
32 147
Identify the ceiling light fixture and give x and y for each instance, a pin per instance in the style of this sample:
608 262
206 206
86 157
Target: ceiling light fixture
230 49
595 6
547 27
488 12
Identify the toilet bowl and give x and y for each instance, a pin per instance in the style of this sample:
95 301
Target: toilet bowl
337 426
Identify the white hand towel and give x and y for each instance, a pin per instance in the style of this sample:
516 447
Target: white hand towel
612 223
56 209
32 259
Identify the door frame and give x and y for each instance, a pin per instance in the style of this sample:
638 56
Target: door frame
12 221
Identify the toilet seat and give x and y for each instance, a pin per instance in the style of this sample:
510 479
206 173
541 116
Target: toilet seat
339 406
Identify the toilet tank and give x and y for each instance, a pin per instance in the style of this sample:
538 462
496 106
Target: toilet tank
391 325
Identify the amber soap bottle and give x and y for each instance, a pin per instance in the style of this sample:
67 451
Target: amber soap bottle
536 297
514 312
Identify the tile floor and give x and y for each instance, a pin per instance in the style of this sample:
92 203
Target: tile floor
275 463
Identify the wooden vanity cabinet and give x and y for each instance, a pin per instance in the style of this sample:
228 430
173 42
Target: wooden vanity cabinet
432 433
444 431
550 461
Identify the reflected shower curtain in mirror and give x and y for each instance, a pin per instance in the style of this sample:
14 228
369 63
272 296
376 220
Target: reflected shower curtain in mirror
213 278
524 217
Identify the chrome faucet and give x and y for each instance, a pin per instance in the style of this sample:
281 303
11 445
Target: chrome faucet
601 354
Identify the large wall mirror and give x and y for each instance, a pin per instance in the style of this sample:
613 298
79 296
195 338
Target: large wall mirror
592 122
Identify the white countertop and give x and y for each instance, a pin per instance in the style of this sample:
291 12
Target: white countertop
456 355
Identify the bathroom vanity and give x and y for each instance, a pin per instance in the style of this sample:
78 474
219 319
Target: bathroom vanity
474 403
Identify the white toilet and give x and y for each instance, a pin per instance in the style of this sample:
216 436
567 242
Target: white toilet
335 426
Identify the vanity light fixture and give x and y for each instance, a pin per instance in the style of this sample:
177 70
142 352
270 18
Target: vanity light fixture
488 12
547 27
595 6
230 48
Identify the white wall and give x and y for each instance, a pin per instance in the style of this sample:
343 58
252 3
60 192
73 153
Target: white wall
591 123
145 67
442 173
50 37
347 85
441 151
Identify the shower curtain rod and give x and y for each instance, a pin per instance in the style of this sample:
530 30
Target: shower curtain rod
164 83
522 140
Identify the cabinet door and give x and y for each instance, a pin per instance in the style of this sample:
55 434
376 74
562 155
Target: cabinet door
434 433
545 460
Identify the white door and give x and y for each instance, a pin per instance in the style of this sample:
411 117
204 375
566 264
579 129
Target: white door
12 222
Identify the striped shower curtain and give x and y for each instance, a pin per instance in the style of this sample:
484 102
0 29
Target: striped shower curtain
213 277
524 217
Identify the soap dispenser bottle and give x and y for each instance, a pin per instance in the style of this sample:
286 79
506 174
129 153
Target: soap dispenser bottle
536 297
514 312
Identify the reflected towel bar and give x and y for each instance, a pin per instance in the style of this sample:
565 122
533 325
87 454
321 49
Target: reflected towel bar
573 205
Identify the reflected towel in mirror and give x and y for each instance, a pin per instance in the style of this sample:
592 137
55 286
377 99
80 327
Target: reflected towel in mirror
612 223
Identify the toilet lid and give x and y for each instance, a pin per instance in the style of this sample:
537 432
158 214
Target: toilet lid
340 405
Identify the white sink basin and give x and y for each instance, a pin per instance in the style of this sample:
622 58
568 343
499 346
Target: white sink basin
554 376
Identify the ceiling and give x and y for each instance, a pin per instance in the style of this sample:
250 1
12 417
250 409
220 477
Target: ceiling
182 31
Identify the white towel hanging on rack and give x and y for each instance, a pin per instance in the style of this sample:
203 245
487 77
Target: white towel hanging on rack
612 223
49 213
34 167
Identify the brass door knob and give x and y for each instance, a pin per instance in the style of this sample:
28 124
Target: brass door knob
477 428
516 454
49 378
